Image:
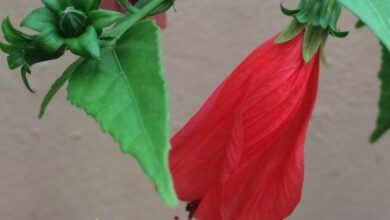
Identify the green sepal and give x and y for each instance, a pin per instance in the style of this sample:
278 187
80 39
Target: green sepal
310 13
86 45
24 71
359 24
15 60
12 35
103 18
57 5
49 41
127 95
288 12
313 39
324 14
383 121
324 61
336 8
7 48
40 19
86 5
25 50
290 32
339 34
57 85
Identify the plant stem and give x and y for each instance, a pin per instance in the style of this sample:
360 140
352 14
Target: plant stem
121 27
129 7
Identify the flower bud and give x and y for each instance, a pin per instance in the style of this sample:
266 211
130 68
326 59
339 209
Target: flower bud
73 22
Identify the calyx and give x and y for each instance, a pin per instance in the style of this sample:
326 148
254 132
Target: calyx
318 19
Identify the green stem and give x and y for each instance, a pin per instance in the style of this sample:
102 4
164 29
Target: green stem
130 19
129 7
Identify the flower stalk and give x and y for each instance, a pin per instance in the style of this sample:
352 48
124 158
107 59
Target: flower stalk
127 22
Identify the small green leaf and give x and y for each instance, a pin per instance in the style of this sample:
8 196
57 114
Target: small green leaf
86 45
40 19
127 95
374 13
290 32
57 85
383 121
103 18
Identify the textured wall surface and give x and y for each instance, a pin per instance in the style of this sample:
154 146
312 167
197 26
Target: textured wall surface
64 168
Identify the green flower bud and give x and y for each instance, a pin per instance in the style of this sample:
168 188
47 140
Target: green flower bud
73 22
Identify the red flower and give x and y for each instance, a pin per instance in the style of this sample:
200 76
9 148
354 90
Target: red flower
160 19
241 156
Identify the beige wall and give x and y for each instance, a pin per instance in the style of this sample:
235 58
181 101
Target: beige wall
64 168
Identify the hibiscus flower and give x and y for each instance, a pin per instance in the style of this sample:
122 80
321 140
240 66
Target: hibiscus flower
241 156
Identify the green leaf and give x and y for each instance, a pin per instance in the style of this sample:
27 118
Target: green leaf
57 85
383 121
127 95
40 19
374 13
103 18
86 45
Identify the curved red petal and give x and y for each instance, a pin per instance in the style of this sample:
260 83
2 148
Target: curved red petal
241 155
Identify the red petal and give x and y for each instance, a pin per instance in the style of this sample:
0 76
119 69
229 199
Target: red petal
242 153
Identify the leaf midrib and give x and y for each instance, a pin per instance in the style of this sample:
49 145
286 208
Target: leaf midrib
131 93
